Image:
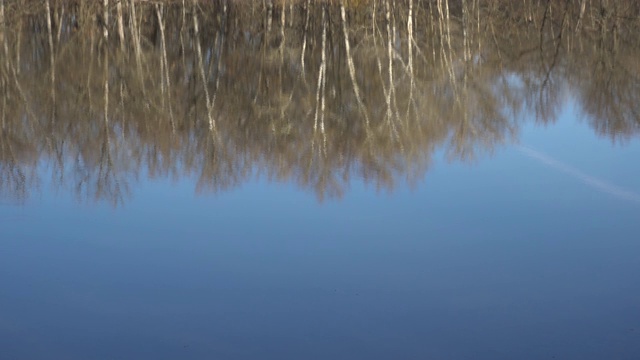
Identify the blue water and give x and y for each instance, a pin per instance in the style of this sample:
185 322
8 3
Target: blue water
531 252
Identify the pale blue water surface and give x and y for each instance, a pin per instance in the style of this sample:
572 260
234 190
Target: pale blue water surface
225 180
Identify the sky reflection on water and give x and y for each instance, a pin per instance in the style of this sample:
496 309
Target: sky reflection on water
528 262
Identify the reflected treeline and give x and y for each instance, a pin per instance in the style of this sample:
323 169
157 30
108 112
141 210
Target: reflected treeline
97 94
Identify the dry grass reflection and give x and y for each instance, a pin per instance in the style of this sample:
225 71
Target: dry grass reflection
103 93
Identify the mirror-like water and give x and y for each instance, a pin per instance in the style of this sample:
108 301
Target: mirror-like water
319 180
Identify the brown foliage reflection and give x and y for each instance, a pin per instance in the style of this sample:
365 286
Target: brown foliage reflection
101 93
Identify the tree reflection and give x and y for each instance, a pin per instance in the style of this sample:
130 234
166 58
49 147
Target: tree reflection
311 92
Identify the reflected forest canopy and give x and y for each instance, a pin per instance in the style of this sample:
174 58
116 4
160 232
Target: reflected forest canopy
98 94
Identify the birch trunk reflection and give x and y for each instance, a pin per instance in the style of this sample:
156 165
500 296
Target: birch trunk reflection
314 93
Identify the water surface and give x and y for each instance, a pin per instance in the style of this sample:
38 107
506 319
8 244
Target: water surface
227 181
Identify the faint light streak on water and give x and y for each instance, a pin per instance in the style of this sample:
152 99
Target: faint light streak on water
598 184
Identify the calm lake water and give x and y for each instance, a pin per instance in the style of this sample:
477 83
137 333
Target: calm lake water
249 189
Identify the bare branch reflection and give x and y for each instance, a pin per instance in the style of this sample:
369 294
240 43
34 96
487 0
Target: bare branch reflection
318 93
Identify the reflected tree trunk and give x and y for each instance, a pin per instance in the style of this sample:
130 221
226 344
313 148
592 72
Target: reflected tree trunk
410 42
105 19
320 91
166 82
3 39
121 35
351 66
305 31
52 61
212 123
137 46
392 108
